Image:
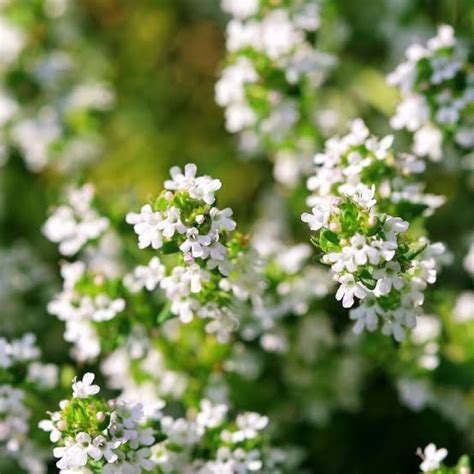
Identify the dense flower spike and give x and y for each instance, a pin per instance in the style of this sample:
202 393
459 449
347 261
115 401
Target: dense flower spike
437 90
270 56
360 190
57 124
212 261
95 435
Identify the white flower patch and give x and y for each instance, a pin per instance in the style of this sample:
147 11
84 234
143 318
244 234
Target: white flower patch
74 224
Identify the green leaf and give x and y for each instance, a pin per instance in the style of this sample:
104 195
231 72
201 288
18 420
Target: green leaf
349 217
367 279
165 314
170 247
160 204
415 249
328 241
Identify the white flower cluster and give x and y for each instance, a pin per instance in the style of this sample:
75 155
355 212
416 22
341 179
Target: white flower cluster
79 310
74 224
234 447
437 90
22 379
270 54
213 261
90 432
357 188
47 133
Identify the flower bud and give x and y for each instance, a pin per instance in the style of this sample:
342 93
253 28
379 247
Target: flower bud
335 227
111 404
61 425
100 416
372 221
63 404
199 219
168 195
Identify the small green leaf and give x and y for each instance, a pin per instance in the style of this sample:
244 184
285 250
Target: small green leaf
415 249
367 279
328 241
349 217
165 314
160 204
170 247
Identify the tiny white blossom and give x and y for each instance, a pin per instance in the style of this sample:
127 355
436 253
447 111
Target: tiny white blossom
84 388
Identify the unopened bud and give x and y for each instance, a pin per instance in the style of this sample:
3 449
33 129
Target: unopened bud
63 404
100 416
372 221
188 258
199 219
61 425
111 404
344 242
335 227
168 195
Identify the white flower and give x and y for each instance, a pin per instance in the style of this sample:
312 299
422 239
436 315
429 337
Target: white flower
348 289
84 387
318 218
427 142
196 244
230 89
49 426
12 42
201 188
74 454
393 226
432 458
210 415
101 448
363 195
222 219
443 39
366 316
172 223
363 252
278 34
150 276
411 113
8 108
250 424
464 307
388 277
73 225
147 226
